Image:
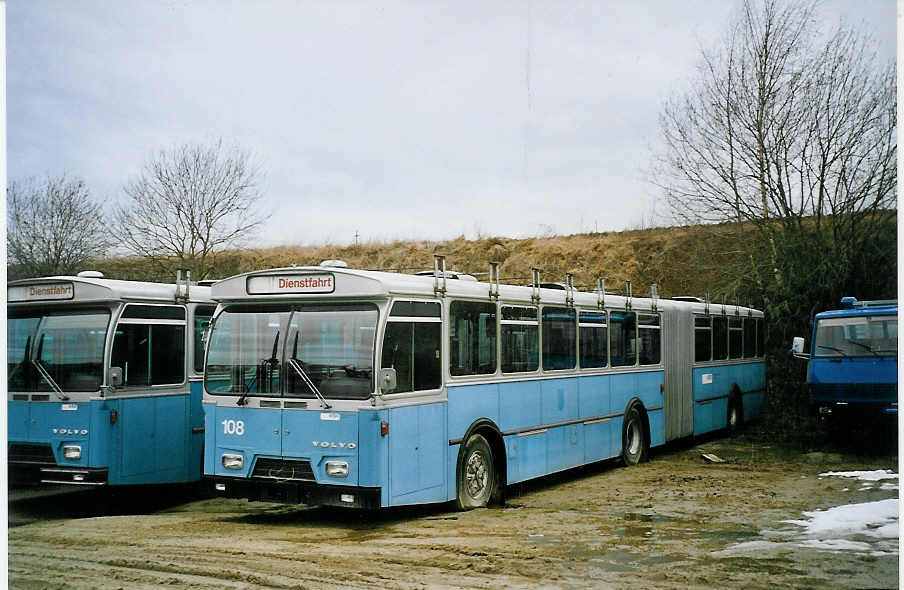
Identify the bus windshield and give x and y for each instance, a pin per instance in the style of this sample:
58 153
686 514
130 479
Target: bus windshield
857 336
252 351
67 345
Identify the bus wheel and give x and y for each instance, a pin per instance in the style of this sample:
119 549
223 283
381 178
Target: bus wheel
476 474
633 438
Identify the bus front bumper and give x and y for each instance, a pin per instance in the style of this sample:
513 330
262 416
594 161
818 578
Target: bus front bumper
296 492
24 473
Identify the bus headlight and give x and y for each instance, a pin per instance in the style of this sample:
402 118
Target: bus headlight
337 468
73 453
231 461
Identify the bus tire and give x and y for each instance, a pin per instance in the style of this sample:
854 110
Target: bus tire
476 480
634 438
735 418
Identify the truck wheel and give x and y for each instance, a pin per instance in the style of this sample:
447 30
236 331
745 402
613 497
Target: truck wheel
634 441
476 477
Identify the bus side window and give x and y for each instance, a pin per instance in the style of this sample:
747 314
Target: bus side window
150 354
201 322
720 338
559 338
520 335
594 339
472 338
622 338
149 345
735 337
649 339
411 346
703 339
749 338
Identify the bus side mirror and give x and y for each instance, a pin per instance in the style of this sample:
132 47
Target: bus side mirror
388 380
115 379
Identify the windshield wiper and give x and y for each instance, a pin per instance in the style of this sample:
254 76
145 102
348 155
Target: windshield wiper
866 346
293 362
43 372
838 350
53 384
243 399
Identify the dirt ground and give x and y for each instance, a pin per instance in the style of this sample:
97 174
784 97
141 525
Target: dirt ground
676 521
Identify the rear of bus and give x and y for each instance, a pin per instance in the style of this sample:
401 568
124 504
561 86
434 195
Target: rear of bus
289 381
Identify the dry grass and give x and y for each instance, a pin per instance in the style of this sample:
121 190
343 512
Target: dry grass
668 257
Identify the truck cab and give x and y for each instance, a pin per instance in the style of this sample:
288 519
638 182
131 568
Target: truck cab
853 360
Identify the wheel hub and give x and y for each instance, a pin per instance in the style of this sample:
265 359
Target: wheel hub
476 474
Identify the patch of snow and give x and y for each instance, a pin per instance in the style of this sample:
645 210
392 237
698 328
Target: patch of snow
837 545
876 475
888 486
752 546
878 519
870 528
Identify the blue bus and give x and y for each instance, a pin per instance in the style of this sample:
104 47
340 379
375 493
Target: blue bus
853 360
104 380
334 386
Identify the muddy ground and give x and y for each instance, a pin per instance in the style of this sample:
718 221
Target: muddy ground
676 521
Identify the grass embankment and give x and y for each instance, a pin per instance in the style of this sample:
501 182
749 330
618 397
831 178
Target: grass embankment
669 257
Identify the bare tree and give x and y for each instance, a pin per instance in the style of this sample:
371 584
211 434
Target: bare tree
188 204
54 227
792 133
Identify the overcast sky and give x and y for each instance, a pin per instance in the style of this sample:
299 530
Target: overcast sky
410 120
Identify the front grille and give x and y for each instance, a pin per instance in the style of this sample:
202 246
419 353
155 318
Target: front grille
296 470
29 453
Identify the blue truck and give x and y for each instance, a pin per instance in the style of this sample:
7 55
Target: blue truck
853 360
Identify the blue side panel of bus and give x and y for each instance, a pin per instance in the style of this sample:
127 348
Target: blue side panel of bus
595 400
196 424
418 444
373 452
542 419
152 440
711 398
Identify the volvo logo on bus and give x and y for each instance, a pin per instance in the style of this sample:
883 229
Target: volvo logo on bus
333 445
70 431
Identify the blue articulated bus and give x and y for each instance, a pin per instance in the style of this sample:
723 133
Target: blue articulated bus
333 386
853 360
104 380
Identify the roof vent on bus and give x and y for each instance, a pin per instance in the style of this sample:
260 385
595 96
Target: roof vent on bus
208 282
333 263
688 299
91 274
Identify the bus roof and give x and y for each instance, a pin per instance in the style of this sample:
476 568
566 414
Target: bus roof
67 289
330 283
